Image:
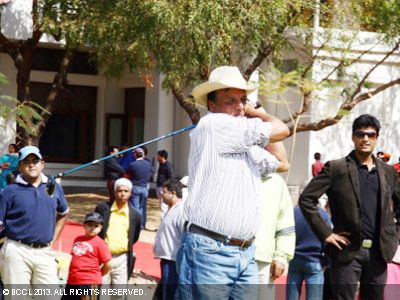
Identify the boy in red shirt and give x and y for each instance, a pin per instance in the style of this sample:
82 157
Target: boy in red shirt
90 260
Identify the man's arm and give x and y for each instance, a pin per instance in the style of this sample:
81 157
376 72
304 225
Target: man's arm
396 204
135 226
60 222
285 237
279 131
308 203
279 151
62 212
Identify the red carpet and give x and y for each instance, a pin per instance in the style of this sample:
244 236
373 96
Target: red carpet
144 251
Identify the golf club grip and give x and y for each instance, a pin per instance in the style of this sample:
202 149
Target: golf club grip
173 133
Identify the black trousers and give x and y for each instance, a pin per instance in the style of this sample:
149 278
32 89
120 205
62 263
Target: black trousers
367 267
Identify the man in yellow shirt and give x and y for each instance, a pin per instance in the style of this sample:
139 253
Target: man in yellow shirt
120 231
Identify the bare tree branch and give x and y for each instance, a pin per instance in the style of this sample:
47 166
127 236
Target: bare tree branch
263 52
362 81
37 33
6 43
315 126
304 107
370 94
59 82
188 106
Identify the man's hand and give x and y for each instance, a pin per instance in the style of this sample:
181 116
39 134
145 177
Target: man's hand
277 269
250 111
339 239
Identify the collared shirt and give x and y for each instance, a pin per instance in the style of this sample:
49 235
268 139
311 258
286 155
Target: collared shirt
28 213
118 229
275 240
370 202
169 234
224 174
139 172
165 172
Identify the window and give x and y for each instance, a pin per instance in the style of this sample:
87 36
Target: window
69 136
134 109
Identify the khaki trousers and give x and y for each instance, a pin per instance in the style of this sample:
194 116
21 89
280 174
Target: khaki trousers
118 276
22 264
28 270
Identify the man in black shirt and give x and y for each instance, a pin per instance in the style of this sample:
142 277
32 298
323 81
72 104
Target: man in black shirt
165 172
364 197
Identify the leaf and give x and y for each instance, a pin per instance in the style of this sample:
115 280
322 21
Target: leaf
343 112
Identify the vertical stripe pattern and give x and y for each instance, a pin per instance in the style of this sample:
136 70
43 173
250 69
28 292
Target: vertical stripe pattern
224 176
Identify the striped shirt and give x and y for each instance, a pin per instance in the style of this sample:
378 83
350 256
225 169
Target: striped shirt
224 174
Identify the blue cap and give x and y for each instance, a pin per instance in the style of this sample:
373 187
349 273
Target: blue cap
27 150
93 217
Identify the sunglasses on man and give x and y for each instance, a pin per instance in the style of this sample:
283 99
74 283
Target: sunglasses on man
361 134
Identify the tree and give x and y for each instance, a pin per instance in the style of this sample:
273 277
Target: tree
60 20
185 39
25 113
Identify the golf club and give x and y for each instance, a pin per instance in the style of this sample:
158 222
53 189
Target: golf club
51 183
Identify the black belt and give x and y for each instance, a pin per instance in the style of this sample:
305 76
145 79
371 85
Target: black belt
34 245
219 237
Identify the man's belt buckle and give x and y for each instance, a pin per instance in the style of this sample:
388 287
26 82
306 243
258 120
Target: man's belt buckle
366 244
243 244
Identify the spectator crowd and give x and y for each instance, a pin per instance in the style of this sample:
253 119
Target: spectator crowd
229 229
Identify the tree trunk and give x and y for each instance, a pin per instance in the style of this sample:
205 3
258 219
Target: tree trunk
23 63
59 83
187 105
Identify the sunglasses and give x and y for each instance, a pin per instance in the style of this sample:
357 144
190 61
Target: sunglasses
361 134
27 162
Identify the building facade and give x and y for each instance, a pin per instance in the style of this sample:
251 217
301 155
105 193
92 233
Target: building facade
97 111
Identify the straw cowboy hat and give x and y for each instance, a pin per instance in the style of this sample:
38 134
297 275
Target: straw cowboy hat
222 78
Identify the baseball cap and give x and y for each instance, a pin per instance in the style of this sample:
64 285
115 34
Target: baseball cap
93 217
27 150
139 151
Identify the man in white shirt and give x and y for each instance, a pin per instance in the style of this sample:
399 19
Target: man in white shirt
227 159
169 235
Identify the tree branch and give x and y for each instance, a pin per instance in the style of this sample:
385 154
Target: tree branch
59 82
7 44
188 106
37 33
315 126
263 52
366 96
359 85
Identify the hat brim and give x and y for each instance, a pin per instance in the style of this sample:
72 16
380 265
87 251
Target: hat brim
95 221
200 92
25 155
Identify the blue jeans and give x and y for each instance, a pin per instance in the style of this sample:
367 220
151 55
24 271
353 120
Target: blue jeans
210 269
301 269
169 279
138 200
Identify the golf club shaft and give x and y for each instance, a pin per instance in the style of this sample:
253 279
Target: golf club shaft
127 150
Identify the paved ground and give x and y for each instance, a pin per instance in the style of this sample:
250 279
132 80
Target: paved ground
80 204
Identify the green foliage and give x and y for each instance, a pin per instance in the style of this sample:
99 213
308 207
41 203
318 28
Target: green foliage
186 39
25 113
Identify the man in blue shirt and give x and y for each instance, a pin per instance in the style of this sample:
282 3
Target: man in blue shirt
139 173
32 222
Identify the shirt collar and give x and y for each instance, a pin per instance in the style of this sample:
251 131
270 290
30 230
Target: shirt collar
21 180
124 209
